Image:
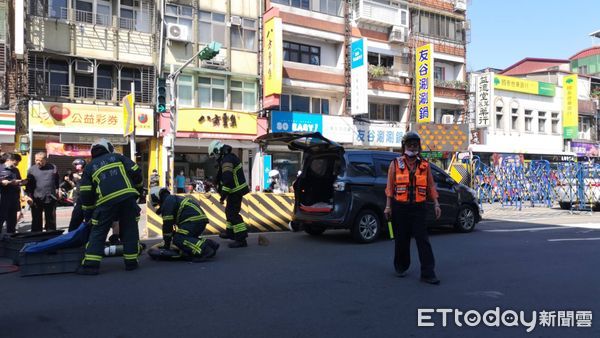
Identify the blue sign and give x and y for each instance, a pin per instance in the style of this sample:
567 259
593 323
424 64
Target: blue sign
266 168
358 53
287 122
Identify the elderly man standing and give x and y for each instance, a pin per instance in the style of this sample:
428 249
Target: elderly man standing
42 192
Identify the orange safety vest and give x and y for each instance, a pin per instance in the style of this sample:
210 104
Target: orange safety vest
402 185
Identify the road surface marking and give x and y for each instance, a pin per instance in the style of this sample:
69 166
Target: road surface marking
574 239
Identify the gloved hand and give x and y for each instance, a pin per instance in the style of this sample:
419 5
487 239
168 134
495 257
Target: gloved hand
223 198
87 216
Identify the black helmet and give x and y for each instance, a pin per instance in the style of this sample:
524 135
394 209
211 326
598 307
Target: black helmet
80 162
411 136
157 195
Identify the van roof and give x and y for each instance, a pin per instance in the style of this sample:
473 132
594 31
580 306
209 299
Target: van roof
373 152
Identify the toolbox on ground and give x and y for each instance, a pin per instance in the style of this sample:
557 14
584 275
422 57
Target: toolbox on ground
61 261
14 243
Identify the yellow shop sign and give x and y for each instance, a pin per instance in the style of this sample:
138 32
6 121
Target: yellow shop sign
207 120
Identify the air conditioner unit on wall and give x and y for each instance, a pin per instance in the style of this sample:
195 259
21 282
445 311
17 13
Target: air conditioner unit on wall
83 66
460 5
398 34
178 32
235 20
466 25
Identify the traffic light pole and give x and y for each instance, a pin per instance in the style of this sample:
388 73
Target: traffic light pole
206 53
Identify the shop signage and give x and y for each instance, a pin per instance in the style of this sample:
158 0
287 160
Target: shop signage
288 122
378 135
359 95
584 149
206 120
338 128
267 165
90 139
424 83
61 149
515 84
570 107
86 118
272 60
484 97
7 123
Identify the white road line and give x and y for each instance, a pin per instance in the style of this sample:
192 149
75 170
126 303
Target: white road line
526 229
574 239
581 225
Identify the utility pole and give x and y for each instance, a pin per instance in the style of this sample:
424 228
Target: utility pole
206 53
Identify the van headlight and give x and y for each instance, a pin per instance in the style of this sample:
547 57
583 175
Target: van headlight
339 186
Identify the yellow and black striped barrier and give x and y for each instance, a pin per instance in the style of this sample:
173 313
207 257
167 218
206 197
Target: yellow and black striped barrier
262 212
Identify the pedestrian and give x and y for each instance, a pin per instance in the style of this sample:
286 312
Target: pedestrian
66 185
77 213
180 183
110 186
183 224
232 186
10 192
154 179
409 186
42 193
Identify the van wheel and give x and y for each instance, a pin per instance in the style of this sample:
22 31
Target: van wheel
313 230
367 227
465 221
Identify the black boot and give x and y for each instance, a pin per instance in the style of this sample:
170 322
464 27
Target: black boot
238 244
131 265
88 270
226 235
214 246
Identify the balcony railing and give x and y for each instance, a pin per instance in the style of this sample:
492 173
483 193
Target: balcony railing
59 90
451 84
84 92
377 13
104 94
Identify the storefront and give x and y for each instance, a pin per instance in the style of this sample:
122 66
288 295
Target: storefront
65 131
197 128
7 130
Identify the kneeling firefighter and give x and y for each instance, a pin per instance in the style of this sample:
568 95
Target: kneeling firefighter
183 224
110 186
232 186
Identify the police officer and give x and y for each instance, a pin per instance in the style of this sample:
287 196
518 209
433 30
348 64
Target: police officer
410 184
232 186
110 186
10 191
183 224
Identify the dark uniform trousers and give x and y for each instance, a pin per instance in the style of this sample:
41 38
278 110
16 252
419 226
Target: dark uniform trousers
187 238
128 214
409 221
9 207
76 216
235 222
49 211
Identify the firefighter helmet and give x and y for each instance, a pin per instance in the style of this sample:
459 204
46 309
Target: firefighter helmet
214 148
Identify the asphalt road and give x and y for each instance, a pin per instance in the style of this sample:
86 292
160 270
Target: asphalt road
304 286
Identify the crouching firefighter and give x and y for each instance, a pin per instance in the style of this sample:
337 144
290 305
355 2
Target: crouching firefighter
110 186
183 223
232 186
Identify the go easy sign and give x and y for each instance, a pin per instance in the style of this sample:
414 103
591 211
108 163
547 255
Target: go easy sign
287 122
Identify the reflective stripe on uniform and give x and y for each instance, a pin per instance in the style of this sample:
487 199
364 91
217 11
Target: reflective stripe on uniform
94 258
131 256
240 227
182 231
115 195
85 188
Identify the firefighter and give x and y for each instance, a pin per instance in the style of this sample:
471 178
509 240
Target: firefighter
110 186
410 184
232 186
183 224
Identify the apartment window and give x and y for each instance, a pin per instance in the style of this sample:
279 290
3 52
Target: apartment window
179 14
184 90
211 27
542 122
555 123
296 52
583 69
331 7
514 119
304 4
244 36
129 75
58 78
128 14
84 83
439 73
306 104
243 95
528 120
211 92
103 12
104 82
377 59
499 118
384 112
437 25
84 11
58 9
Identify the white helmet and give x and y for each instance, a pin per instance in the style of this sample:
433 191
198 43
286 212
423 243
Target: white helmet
104 143
214 148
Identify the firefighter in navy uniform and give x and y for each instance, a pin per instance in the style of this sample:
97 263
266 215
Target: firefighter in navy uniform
110 186
410 184
183 224
232 186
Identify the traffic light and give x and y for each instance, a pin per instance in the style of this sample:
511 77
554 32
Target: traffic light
210 51
161 95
